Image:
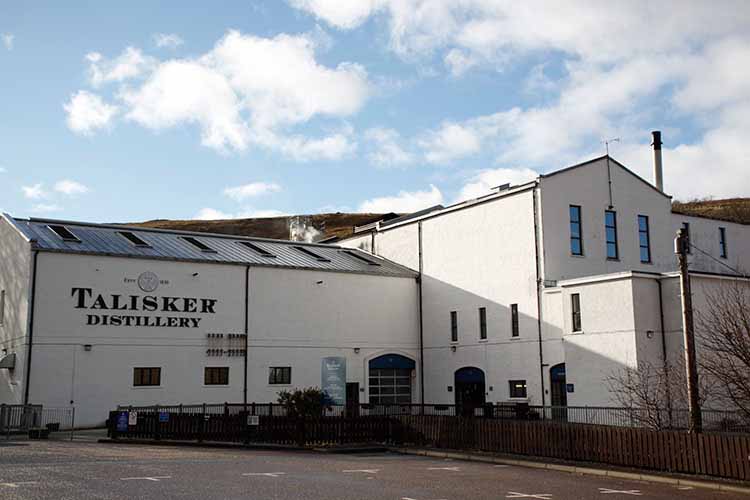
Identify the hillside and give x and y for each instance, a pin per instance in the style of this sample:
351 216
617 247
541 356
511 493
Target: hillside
335 224
731 209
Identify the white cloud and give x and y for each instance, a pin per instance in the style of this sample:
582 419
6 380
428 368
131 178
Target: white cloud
214 214
241 193
8 40
132 63
403 202
451 141
386 150
483 181
34 192
45 208
168 40
348 14
70 188
87 112
3 170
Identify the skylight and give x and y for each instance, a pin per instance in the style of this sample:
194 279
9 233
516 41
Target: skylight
134 239
198 244
263 252
361 257
312 254
64 233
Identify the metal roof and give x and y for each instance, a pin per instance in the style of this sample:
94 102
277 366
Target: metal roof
103 239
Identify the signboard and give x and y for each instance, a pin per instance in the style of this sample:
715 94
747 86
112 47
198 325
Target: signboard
133 418
163 416
333 379
122 421
253 420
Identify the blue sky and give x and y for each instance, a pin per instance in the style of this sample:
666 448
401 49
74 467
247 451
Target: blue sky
133 111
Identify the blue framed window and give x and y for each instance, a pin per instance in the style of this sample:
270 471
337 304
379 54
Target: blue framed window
576 230
644 240
610 228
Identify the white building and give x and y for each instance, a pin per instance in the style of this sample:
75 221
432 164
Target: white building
539 292
95 316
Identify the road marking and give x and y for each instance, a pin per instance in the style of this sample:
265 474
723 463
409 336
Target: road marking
607 491
542 496
16 485
684 488
267 474
502 466
454 469
148 478
364 471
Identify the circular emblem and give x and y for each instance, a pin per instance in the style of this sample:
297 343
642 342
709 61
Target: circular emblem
148 281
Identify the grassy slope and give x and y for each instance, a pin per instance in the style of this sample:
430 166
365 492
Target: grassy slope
731 209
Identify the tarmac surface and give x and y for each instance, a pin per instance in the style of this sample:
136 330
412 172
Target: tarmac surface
84 469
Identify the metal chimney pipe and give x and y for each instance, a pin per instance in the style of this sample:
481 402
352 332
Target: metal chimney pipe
658 172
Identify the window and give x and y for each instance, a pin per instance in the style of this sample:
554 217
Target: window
517 388
134 239
312 254
360 257
390 386
514 320
2 307
722 249
146 376
575 307
610 228
198 244
686 227
255 248
64 233
576 238
280 375
216 375
643 239
482 323
454 326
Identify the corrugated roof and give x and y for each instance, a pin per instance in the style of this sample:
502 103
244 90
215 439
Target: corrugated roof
103 239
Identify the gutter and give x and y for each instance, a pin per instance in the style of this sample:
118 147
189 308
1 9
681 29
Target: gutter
538 292
27 382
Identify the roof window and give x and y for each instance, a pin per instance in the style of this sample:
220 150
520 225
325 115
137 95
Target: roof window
134 239
312 254
360 257
64 233
255 248
198 244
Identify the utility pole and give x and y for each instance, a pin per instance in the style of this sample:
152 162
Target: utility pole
681 248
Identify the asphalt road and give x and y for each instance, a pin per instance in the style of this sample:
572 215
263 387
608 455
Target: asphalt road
87 470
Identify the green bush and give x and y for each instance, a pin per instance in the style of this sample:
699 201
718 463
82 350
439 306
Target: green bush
309 402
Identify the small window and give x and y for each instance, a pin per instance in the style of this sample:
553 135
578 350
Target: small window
575 307
514 320
517 388
454 326
644 242
64 233
482 323
2 307
360 257
146 376
722 243
280 375
198 244
134 239
686 227
257 249
312 254
216 375
610 227
576 231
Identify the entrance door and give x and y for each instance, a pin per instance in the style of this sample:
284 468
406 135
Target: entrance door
352 399
469 383
559 390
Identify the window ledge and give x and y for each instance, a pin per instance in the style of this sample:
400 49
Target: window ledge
577 332
516 338
142 387
578 256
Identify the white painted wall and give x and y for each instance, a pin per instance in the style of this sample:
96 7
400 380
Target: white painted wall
704 234
15 280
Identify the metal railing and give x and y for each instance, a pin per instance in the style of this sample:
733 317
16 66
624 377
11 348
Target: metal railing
17 419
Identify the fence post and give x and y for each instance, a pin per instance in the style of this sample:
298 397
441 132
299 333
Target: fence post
73 423
157 423
202 427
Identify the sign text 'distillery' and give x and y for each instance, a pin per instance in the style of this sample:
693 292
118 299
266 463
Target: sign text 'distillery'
108 309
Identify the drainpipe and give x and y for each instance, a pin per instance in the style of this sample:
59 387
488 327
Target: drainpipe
247 293
421 318
31 330
664 354
538 292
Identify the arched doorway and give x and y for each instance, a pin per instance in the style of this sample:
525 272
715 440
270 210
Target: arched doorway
559 389
390 379
469 387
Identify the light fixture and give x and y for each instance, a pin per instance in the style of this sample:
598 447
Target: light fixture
195 274
87 347
356 350
453 348
649 334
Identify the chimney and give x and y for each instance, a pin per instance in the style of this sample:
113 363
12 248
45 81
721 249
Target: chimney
658 173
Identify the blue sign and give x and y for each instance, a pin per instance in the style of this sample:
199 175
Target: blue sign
333 379
122 421
163 416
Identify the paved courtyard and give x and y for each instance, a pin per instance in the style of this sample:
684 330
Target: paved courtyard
88 470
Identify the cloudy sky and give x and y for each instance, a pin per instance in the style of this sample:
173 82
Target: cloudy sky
135 111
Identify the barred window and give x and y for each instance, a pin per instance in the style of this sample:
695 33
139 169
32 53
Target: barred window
280 375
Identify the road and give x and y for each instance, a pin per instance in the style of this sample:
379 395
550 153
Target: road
87 470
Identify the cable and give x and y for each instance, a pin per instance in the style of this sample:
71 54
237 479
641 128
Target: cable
692 245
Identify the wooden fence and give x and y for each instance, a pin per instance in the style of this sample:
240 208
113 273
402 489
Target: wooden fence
720 455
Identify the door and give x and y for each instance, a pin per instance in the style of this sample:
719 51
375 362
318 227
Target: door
352 399
470 393
558 387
